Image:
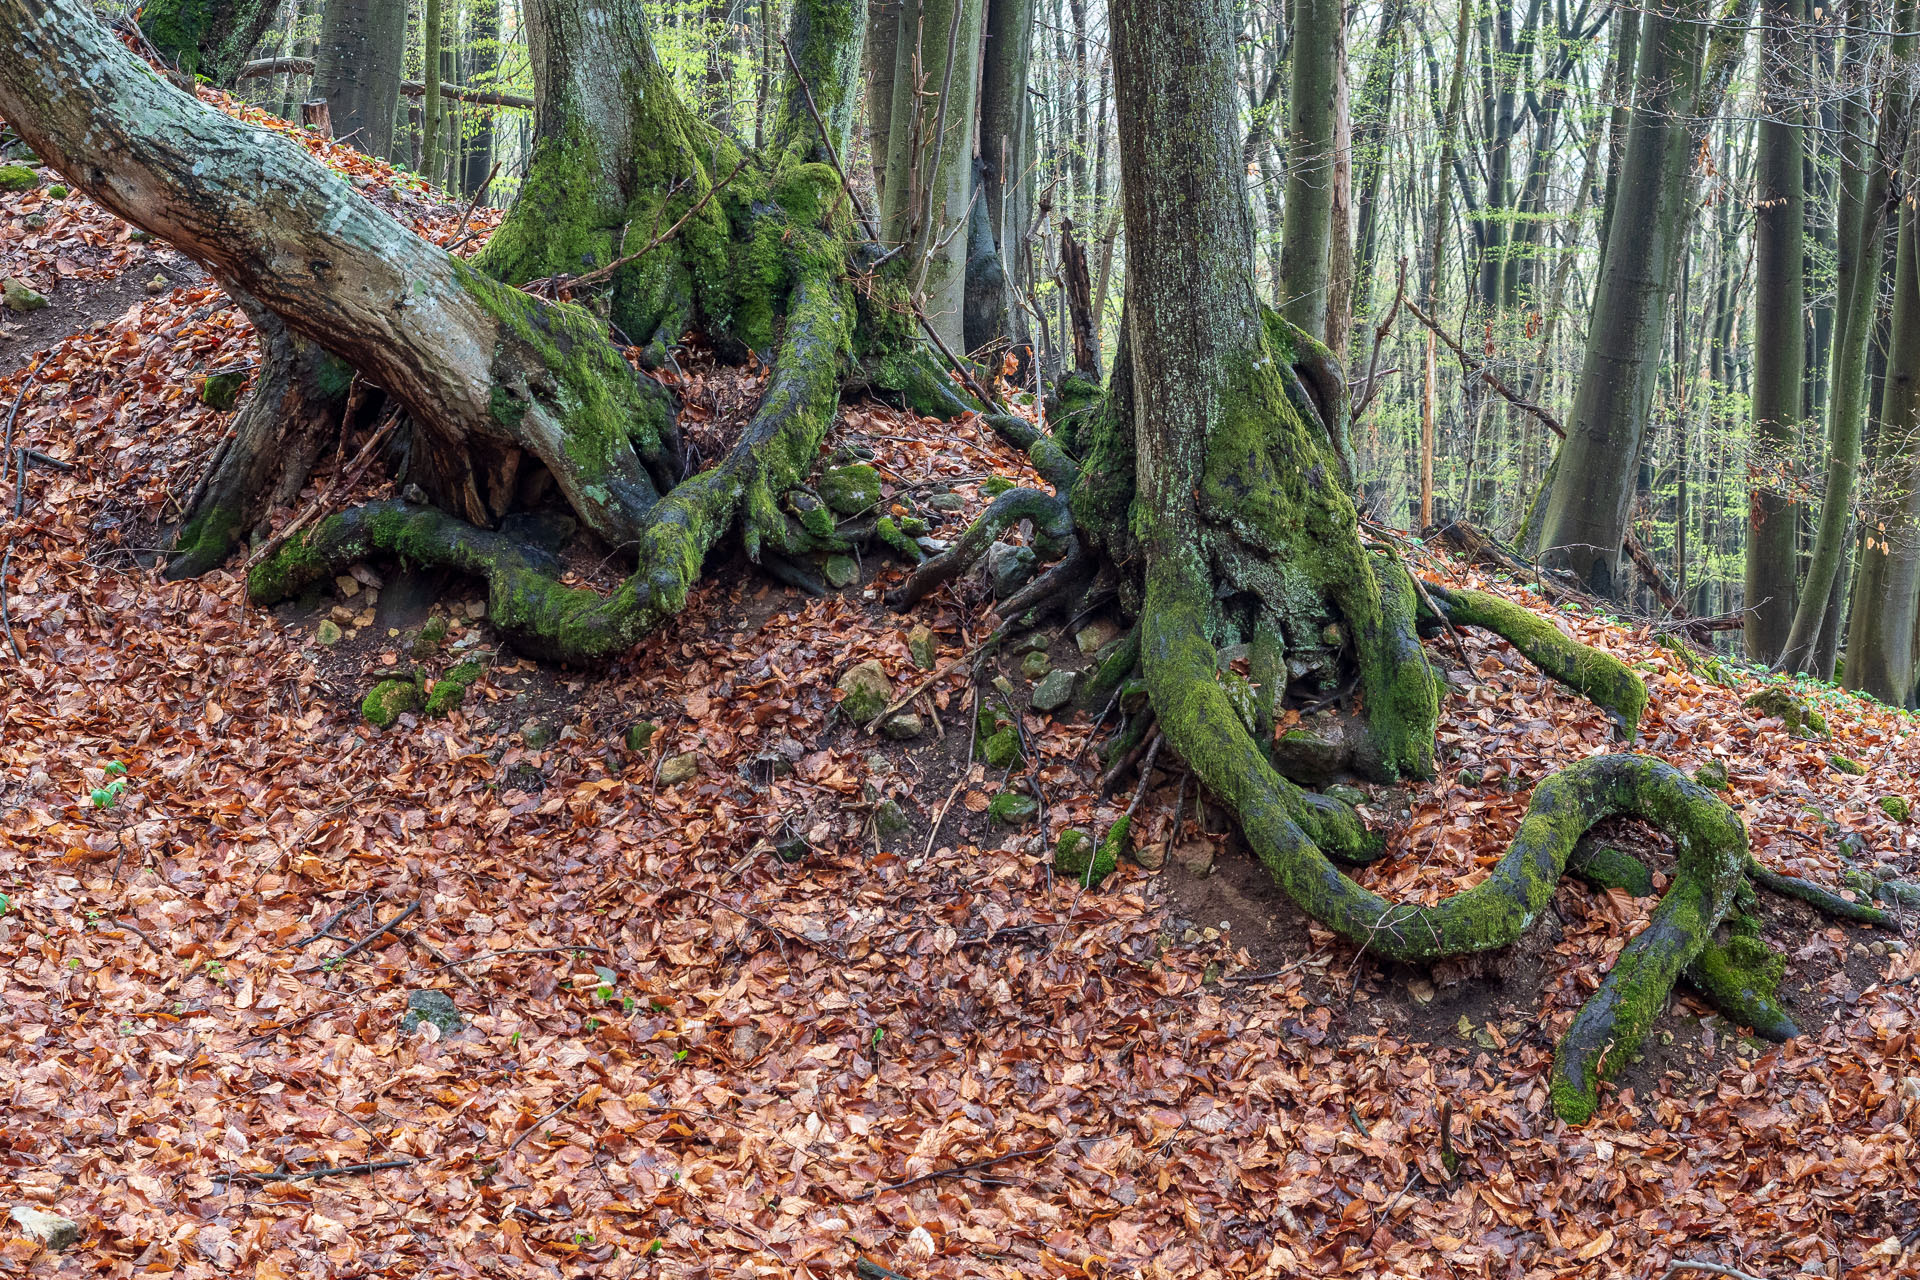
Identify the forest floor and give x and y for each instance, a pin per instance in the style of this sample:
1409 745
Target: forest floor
678 1054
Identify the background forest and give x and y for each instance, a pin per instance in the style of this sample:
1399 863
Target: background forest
1737 388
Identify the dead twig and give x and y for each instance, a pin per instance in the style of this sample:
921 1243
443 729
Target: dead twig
534 1128
461 234
958 1170
371 1166
367 941
325 500
1486 374
6 620
601 273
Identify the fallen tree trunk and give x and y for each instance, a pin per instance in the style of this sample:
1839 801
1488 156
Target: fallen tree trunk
410 88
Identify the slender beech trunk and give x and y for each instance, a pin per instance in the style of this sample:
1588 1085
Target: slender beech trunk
1866 177
883 43
1681 77
1372 114
1003 163
1437 256
483 48
1779 333
430 107
1307 218
356 68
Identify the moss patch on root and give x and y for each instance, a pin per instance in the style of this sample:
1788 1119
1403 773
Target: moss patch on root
1600 677
1741 979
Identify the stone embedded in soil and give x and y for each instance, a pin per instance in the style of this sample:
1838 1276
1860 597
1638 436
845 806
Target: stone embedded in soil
903 726
1195 857
867 690
1095 636
1035 665
328 632
851 490
675 770
946 502
840 571
1421 990
536 734
889 819
1055 690
920 646
1008 568
17 177
47 1229
1076 853
1013 808
1152 855
1796 714
432 1006
1712 775
20 297
1001 750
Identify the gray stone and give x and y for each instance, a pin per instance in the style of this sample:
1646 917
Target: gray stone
1008 568
20 297
1055 691
889 819
1095 636
1013 808
841 571
675 770
867 690
1035 665
432 1006
946 502
903 726
1194 857
48 1229
537 734
920 646
851 491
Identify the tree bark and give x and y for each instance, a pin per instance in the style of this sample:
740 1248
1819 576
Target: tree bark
207 39
483 47
1306 221
1779 333
430 109
356 68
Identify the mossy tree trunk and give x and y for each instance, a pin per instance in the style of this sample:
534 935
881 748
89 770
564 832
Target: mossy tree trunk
1211 500
207 39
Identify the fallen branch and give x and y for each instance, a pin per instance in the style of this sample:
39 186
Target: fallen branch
534 1128
1486 374
958 1170
367 941
411 88
5 620
371 1166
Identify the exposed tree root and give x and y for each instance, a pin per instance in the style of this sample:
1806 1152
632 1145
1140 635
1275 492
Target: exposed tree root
526 599
1051 520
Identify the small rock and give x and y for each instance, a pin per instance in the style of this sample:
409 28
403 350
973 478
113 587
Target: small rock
1421 990
1345 794
476 609
20 297
36 222
47 1229
903 726
1078 859
851 491
432 1006
1095 636
946 502
1002 749
328 632
222 390
159 285
1008 568
640 734
139 236
1055 690
1194 857
867 691
536 734
747 1043
1035 665
675 770
347 585
387 701
840 571
1004 685
1712 775
889 819
920 646
1152 855
1795 713
58 191
1013 808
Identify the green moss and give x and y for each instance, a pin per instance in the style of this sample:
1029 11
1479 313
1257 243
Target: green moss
58 191
1798 715
1741 979
993 486
1012 808
205 540
1002 750
1076 858
450 690
896 538
1894 807
640 735
221 390
18 177
851 491
386 701
1847 764
1712 775
1604 867
433 634
1602 678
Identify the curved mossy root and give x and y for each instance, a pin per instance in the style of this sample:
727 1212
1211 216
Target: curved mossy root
1051 520
1202 725
527 602
917 378
1600 677
1740 978
1823 900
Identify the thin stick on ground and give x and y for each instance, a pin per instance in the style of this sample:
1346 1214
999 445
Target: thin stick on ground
534 1128
342 481
371 1166
367 941
6 621
958 1170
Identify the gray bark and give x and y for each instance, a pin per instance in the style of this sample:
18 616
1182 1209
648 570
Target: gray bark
356 68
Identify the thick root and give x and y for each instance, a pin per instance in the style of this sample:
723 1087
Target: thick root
1741 979
1050 517
1600 677
1823 900
526 600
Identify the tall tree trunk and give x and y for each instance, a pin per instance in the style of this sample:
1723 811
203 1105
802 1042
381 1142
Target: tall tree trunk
1308 212
1372 115
883 44
1779 333
483 47
1866 177
1680 80
1003 164
356 68
1437 256
432 51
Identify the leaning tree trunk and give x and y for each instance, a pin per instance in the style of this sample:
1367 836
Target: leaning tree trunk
356 68
207 39
1211 502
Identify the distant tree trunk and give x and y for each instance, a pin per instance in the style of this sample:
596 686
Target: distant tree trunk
1371 114
883 43
356 68
431 110
1003 163
1306 220
208 39
1437 256
483 48
1886 601
929 183
1779 326
1866 178
1680 80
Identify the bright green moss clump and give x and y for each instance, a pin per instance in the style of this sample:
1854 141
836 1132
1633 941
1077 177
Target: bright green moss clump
388 700
851 490
1847 765
1741 978
1075 858
1894 807
17 177
450 690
